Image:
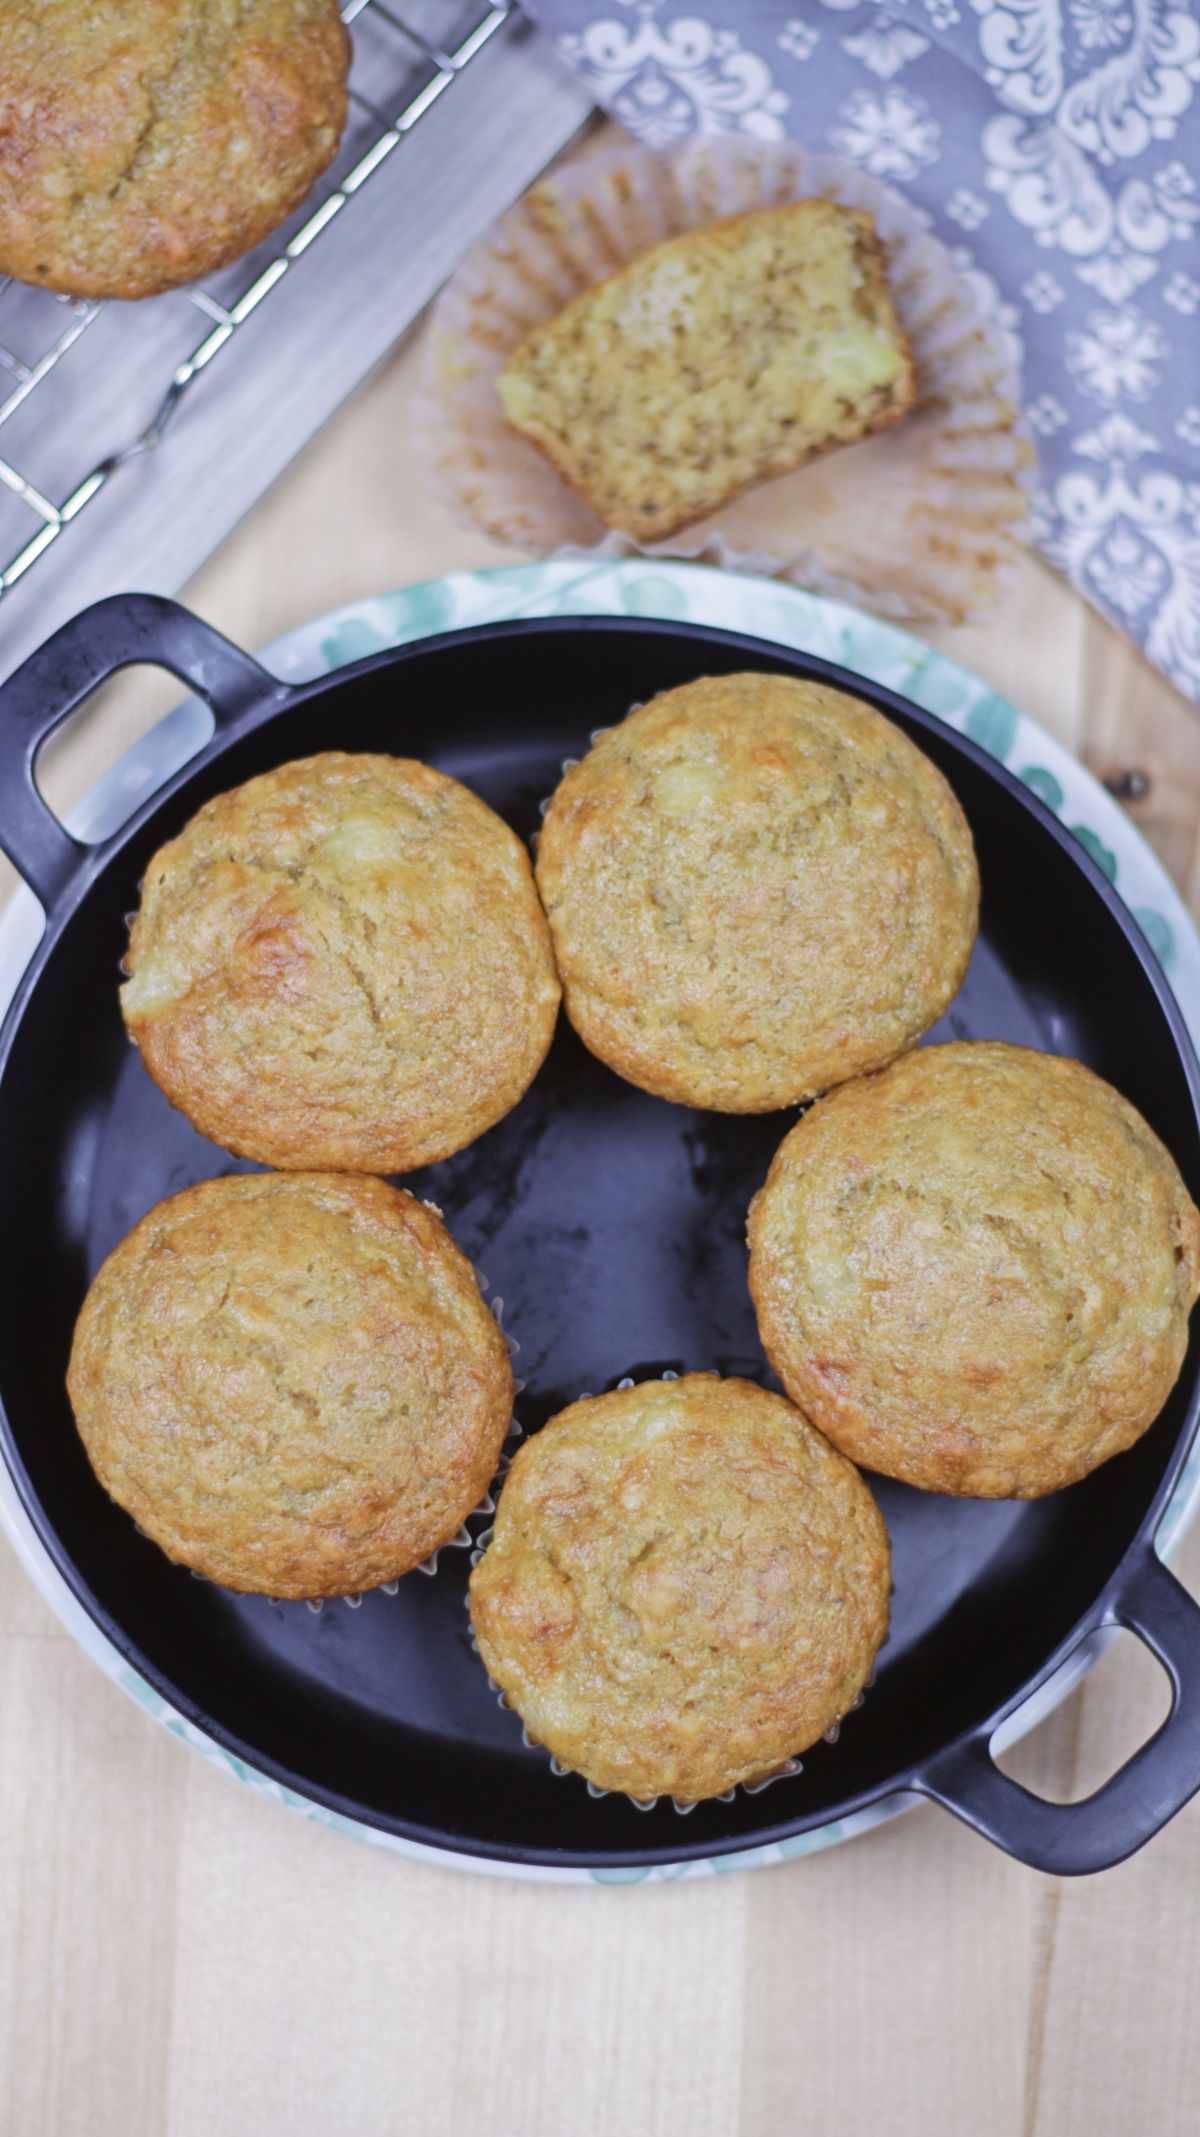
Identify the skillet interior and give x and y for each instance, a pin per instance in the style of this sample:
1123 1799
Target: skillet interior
612 1225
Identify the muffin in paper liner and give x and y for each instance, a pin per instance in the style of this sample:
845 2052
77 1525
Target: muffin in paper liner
917 522
787 1770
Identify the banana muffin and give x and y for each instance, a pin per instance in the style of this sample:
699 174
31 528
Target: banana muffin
143 146
974 1270
342 964
757 887
686 1586
291 1382
717 359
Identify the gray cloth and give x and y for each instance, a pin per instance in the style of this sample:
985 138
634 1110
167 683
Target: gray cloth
1053 146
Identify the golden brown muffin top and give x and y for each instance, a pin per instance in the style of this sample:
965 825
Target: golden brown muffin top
757 887
685 1587
974 1270
291 1382
142 146
344 964
716 359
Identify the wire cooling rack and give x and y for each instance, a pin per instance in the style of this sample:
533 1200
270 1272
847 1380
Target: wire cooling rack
73 372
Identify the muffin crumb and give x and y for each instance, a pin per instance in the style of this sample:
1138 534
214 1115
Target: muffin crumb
714 361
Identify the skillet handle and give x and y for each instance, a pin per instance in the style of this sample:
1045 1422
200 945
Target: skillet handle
1069 1839
55 681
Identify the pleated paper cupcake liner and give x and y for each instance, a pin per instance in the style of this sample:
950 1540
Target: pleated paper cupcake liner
919 521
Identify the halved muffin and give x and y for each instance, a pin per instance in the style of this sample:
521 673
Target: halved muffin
717 359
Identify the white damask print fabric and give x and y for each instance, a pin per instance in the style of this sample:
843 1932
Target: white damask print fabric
1054 145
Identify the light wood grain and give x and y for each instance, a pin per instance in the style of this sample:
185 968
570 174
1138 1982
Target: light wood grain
182 1957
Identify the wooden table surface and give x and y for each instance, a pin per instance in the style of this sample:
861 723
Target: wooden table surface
180 1956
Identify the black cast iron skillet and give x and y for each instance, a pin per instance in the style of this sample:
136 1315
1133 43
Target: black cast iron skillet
613 1226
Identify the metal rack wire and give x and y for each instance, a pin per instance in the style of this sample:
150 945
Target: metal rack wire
402 65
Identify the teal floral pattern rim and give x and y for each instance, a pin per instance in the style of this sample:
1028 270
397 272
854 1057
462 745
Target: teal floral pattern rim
762 608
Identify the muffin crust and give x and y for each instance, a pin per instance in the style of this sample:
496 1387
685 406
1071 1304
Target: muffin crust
143 146
757 887
291 1382
974 1270
344 964
686 1586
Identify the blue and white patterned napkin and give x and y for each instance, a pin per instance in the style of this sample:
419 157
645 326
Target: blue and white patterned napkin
1054 146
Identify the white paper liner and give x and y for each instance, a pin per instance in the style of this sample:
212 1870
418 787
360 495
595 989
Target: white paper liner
784 1772
916 522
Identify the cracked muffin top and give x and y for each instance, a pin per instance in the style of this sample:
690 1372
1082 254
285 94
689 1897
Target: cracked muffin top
974 1270
291 1383
342 964
141 147
686 1586
757 887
